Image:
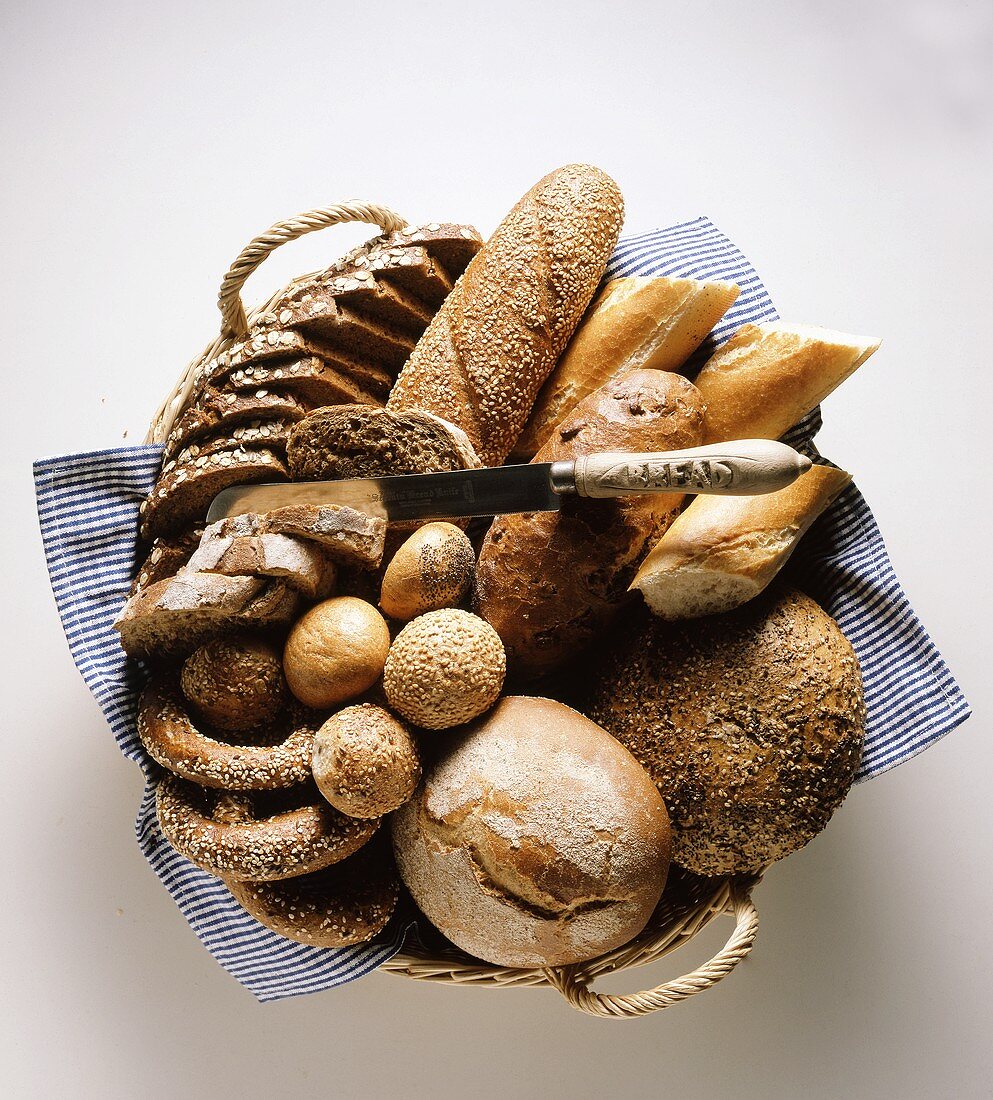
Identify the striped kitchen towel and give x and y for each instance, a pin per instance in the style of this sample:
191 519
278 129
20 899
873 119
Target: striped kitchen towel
88 510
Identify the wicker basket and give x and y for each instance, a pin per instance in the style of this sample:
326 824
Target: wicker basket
690 903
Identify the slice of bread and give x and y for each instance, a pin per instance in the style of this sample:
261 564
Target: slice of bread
304 565
183 495
350 441
174 616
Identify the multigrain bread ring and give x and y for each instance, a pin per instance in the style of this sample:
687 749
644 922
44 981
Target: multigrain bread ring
278 757
263 836
337 907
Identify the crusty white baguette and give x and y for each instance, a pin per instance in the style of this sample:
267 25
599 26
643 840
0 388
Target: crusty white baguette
493 343
637 321
722 551
767 377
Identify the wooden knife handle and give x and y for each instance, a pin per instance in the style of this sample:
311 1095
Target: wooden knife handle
743 467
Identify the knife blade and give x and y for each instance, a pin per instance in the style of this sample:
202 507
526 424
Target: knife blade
741 467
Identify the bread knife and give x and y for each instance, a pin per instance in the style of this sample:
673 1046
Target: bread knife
743 467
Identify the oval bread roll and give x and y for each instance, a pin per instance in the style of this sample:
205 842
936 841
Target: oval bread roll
767 377
638 321
483 358
722 551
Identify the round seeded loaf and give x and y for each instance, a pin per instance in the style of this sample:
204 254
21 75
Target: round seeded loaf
751 725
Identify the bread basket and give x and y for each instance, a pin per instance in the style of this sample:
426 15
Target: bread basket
689 904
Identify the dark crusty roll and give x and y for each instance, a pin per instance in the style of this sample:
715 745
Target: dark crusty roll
491 345
751 725
549 582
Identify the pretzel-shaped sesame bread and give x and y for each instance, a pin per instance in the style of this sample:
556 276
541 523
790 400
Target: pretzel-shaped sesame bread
342 905
260 836
276 757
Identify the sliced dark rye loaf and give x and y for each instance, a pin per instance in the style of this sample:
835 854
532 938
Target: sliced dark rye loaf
411 269
349 441
183 495
271 435
344 331
216 413
358 290
314 380
349 537
274 348
172 617
166 557
304 565
453 246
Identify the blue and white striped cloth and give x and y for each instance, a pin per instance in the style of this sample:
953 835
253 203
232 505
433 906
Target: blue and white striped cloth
88 509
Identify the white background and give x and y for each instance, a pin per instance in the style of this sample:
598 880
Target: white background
845 146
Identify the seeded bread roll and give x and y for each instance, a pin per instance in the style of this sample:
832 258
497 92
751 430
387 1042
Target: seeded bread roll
723 551
365 761
550 582
767 377
751 725
639 321
535 840
349 441
492 344
434 568
236 683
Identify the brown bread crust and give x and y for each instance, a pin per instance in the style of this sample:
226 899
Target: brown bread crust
494 341
751 725
550 582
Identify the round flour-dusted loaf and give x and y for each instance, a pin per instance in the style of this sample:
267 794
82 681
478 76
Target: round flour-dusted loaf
750 723
536 839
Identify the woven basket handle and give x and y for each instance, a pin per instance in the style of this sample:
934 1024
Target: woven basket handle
234 323
573 984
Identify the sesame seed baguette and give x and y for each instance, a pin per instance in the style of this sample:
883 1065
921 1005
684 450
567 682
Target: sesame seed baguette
305 566
549 583
183 495
172 617
723 551
638 321
490 347
767 377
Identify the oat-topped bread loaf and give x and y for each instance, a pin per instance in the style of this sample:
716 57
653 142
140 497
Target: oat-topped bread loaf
550 582
348 441
750 723
498 335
